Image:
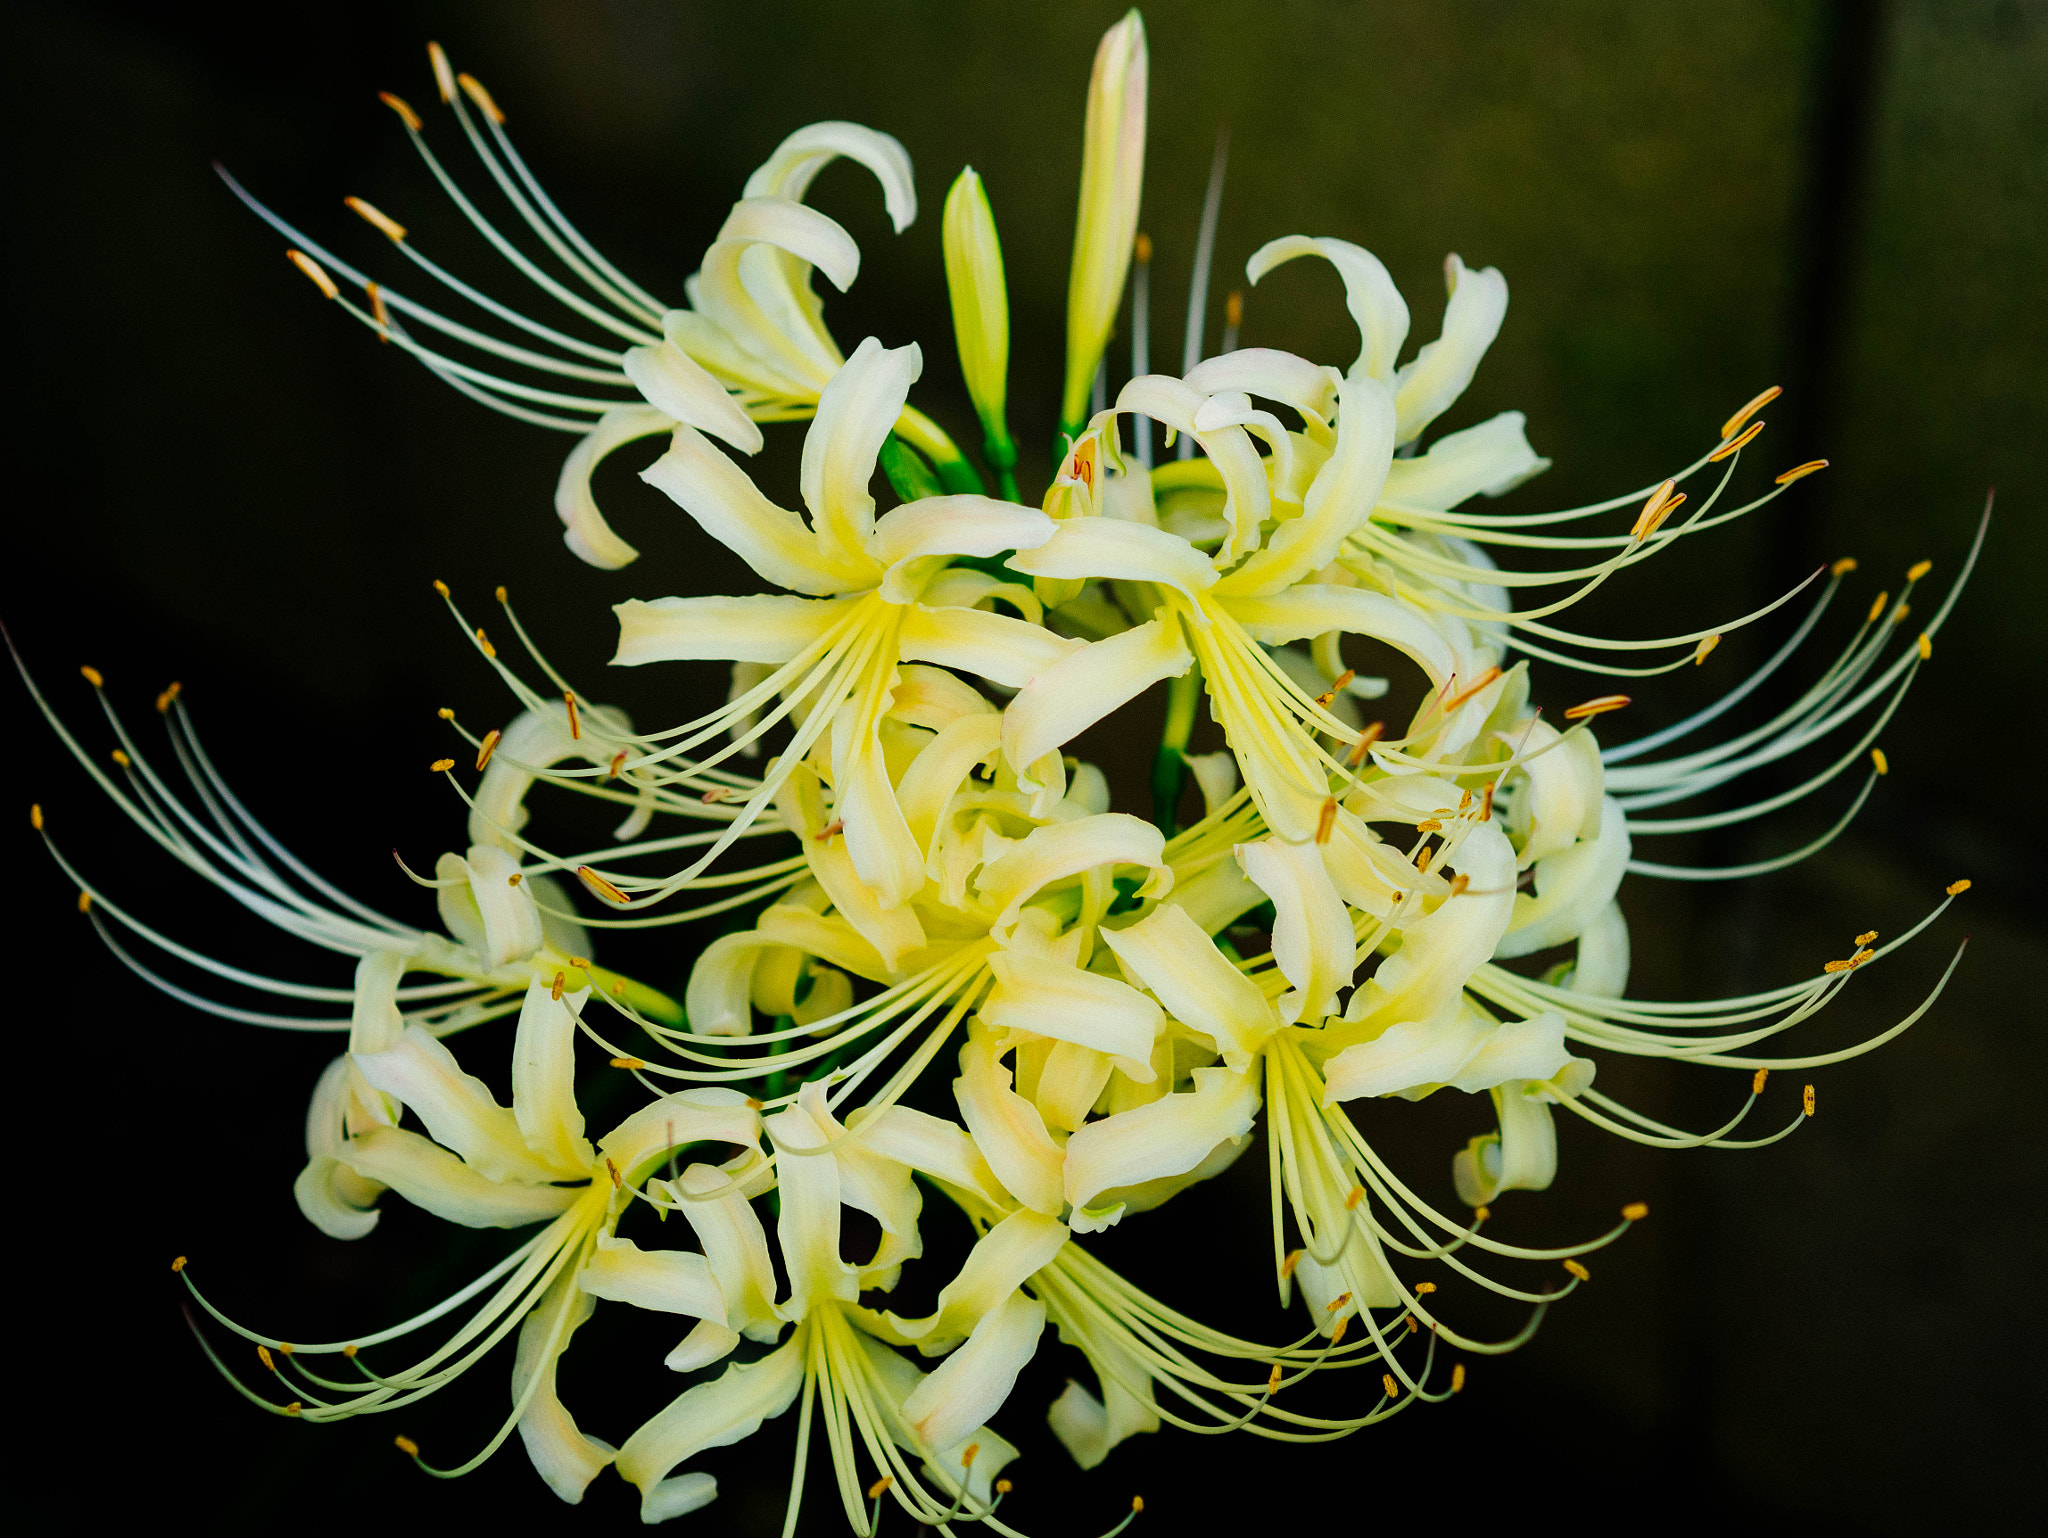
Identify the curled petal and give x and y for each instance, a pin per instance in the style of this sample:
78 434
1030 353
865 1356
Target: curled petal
1167 1137
798 159
587 534
1369 294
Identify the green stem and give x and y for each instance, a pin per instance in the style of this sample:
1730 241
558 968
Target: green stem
1169 765
999 453
929 439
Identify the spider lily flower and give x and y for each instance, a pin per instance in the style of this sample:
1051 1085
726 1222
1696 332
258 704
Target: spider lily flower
1112 182
488 1166
874 1400
750 346
862 595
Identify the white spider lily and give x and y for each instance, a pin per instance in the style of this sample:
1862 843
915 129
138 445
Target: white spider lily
875 1402
751 345
488 1166
878 592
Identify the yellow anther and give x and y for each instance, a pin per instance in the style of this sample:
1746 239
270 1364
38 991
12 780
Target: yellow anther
92 676
1422 1289
263 1355
713 796
1756 1085
628 1062
601 887
1287 1265
1357 1195
830 831
407 1446
1464 800
581 963
756 1105
1800 472
575 720
555 992
612 1170
1806 1100
1957 888
85 902
515 878
315 271
1137 1503
165 700
444 77
1899 614
1422 860
1414 1326
967 1457
1879 762
441 766
177 1264
500 594
1481 1214
1733 425
293 1408
1233 309
1466 693
474 89
1393 1388
1924 646
398 104
1002 1487
484 642
1846 564
35 816
1486 807
1363 746
1324 699
1336 1303
1866 937
1337 1335
1735 445
440 587
1457 1377
375 215
1651 521
445 713
1578 1270
1635 1212
121 758
1595 707
1429 825
876 1490
487 747
1141 248
1326 819
1705 649
1918 570
285 1346
349 1351
1837 966
1459 882
378 312
1652 507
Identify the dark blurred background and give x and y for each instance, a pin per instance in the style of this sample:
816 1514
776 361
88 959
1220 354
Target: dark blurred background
219 479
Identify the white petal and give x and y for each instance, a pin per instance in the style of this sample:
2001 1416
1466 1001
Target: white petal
544 1076
877 842
807 1228
1006 651
1369 294
458 1110
788 172
1275 375
728 1409
586 531
734 1244
1602 966
766 627
1486 460
701 480
430 1177
678 386
790 226
1312 940
666 1281
1425 388
1425 979
971 1385
562 1455
1054 853
963 524
941 767
1516 1049
1167 1137
1572 888
677 1497
1108 549
485 908
1052 998
1006 1127
1168 952
721 984
1311 608
1091 682
932 1146
708 1114
857 411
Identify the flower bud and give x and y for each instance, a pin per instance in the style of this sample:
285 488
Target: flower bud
981 311
1112 179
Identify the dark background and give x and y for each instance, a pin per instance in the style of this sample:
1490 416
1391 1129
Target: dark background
219 480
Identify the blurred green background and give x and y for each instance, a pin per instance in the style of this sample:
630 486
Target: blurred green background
219 479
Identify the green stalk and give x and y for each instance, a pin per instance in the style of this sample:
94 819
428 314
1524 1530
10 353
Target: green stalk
1169 764
955 472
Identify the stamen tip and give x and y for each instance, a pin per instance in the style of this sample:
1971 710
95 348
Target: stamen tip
178 1264
444 77
407 1446
1635 1212
1879 762
372 214
441 766
1806 1100
35 815
1457 1377
1578 1270
1918 570
1957 888
473 88
1846 564
315 271
92 676
399 105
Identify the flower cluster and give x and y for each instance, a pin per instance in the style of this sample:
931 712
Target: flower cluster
957 972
